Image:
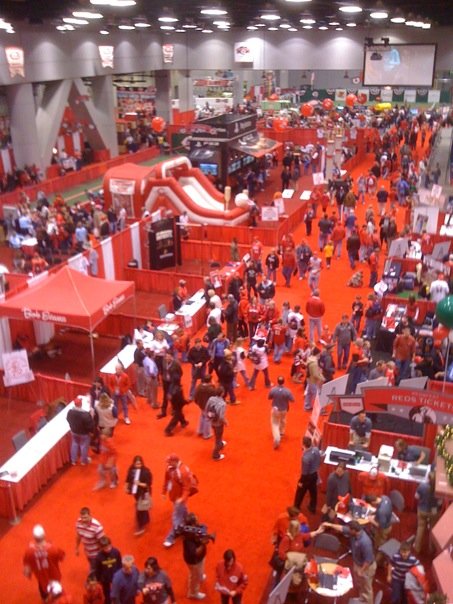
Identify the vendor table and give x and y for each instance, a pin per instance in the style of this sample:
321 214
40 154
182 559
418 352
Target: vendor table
343 583
400 478
26 472
192 312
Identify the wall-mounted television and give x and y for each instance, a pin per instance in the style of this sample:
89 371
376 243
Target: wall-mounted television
209 169
399 65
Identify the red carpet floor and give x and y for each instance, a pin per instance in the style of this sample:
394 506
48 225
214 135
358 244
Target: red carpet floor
239 497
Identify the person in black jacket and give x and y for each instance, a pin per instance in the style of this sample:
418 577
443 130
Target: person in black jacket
198 357
177 403
171 379
107 562
138 483
225 373
81 425
195 539
231 318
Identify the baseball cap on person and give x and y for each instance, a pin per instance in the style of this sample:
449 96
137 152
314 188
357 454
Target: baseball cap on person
38 532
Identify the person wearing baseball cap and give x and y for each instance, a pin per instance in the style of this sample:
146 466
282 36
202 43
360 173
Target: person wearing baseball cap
42 559
82 426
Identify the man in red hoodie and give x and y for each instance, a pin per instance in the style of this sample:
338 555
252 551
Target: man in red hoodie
315 309
178 485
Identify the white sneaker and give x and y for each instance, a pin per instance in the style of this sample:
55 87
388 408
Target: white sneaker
168 543
224 443
127 420
198 596
221 456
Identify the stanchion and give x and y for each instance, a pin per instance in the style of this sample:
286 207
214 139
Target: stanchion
14 518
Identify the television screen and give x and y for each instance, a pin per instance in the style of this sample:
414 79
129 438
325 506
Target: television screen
209 169
399 65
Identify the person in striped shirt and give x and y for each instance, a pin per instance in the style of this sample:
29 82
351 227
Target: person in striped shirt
400 564
88 532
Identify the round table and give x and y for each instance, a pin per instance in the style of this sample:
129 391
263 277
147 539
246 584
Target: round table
344 581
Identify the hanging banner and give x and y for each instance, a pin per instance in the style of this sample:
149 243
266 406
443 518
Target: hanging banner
168 51
243 53
434 96
16 367
15 59
106 54
409 96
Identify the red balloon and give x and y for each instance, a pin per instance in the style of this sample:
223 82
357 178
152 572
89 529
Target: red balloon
158 124
361 98
280 124
307 110
328 104
351 100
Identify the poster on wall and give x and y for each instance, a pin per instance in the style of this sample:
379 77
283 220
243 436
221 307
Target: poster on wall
410 96
135 100
168 52
433 96
16 368
269 214
243 53
106 54
15 60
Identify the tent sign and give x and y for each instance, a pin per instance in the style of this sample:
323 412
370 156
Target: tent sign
37 315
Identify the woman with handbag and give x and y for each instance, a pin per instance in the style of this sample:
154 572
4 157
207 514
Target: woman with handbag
138 483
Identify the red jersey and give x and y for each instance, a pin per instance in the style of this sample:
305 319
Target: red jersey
243 307
255 250
43 561
177 482
233 579
278 333
94 595
315 307
119 383
373 486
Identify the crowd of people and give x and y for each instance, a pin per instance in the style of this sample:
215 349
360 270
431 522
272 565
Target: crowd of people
246 333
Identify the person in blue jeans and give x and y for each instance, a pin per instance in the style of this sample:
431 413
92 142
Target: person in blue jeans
400 564
81 425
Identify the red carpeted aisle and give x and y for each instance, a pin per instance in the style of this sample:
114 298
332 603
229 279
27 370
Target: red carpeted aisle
239 497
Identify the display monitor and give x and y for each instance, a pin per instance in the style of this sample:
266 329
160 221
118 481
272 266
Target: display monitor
209 169
399 65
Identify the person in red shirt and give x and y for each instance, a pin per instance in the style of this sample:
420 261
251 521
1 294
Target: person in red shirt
373 483
403 352
315 309
42 559
278 340
288 266
120 384
338 234
373 261
231 579
282 523
177 485
93 591
256 251
287 242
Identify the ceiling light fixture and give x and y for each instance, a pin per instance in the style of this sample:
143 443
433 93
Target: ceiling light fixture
351 8
73 21
122 3
104 32
426 26
214 12
297 1
333 23
270 17
285 25
307 21
190 26
84 14
142 24
167 19
323 27
272 29
398 17
126 27
222 23
338 29
352 24
252 27
206 31
292 29
379 14
167 28
307 26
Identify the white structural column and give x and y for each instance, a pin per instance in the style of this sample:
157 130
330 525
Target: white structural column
49 116
163 94
24 134
183 80
100 109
